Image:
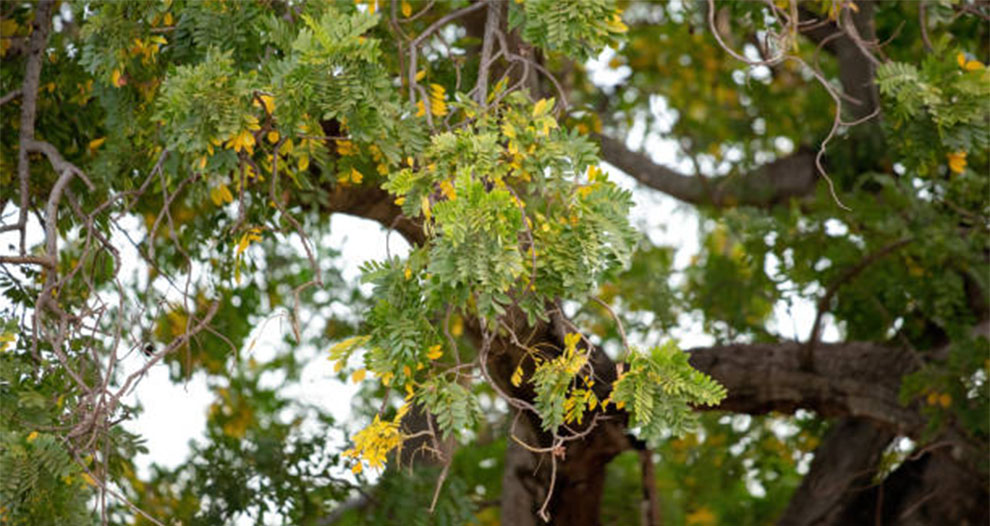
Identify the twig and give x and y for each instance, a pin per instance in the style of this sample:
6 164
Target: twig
13 94
846 276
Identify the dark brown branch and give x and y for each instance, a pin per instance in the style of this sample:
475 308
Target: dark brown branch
650 505
843 468
858 379
774 183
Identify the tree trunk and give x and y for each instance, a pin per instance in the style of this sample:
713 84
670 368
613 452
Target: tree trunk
579 483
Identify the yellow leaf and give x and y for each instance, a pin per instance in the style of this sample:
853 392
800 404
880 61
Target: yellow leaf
358 375
338 366
435 352
347 148
356 468
117 79
509 130
540 108
448 190
387 379
406 371
220 195
701 517
269 103
517 376
425 205
957 161
168 19
303 163
438 104
615 24
8 27
406 9
6 338
243 244
95 143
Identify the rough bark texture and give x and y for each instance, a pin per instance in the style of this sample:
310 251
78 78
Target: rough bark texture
843 468
858 379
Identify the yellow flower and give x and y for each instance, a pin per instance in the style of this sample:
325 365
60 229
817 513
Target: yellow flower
435 352
438 104
242 141
356 176
966 64
406 9
347 148
448 190
358 375
268 101
540 107
957 161
96 143
220 195
373 443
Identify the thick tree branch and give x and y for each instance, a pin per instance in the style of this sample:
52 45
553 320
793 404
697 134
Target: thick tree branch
843 468
858 379
774 183
29 106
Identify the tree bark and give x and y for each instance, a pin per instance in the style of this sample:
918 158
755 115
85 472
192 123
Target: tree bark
843 468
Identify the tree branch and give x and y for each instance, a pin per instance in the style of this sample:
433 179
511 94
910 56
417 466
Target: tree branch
772 184
858 379
29 106
856 69
843 467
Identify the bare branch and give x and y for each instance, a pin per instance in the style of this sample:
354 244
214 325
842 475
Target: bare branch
775 183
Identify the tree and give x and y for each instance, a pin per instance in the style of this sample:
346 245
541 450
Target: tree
169 170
